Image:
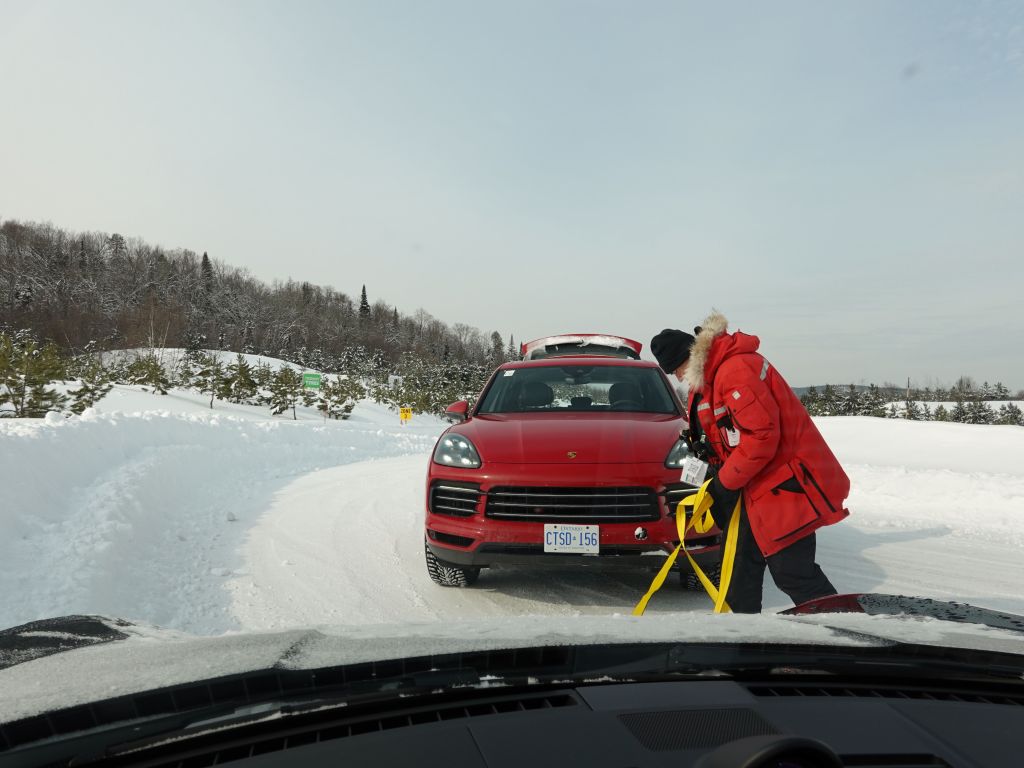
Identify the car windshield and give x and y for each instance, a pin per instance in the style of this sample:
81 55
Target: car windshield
573 387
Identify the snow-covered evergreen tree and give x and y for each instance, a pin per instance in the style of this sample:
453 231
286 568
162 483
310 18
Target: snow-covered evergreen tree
811 401
241 383
95 384
210 377
310 397
338 396
941 414
1009 413
912 410
26 372
364 307
978 412
497 349
872 403
147 370
828 404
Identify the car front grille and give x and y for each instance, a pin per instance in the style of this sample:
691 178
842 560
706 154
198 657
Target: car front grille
453 498
576 505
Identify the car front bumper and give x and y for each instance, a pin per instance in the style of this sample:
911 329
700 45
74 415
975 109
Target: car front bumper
469 535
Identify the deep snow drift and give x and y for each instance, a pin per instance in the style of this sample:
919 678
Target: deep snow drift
161 510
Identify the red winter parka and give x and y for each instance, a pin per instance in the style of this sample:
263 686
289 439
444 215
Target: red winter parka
763 438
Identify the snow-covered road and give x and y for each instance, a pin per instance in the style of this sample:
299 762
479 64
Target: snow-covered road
232 520
345 545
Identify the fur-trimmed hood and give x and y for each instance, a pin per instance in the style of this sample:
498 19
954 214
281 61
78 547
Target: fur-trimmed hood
713 325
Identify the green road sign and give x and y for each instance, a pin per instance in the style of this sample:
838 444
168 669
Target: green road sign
311 380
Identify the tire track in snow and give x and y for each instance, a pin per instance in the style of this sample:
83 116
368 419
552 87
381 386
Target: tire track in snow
369 515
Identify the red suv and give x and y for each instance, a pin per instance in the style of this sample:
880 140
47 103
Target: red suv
570 457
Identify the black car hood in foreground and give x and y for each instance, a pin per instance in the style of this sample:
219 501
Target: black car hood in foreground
68 676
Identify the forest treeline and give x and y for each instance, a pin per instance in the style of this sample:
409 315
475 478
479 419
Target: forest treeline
95 291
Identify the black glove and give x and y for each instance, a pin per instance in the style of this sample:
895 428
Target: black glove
723 502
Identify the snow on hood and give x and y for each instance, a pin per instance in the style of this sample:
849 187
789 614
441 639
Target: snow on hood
150 658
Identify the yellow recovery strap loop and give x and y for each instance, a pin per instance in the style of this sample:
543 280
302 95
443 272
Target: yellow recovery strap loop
700 522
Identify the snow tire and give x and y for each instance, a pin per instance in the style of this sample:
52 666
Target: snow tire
447 574
691 582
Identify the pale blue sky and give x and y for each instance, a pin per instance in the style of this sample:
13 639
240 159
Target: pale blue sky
845 180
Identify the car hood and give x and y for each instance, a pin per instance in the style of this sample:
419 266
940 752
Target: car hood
77 660
608 438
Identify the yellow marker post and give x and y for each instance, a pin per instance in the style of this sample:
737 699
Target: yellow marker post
405 414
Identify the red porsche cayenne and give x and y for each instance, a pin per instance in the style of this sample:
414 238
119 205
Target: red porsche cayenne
570 457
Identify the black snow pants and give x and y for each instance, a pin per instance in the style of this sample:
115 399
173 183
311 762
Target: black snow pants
793 570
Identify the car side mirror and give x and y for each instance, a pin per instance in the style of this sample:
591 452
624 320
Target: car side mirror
456 412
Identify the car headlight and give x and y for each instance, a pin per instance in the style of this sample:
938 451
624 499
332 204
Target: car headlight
677 455
454 450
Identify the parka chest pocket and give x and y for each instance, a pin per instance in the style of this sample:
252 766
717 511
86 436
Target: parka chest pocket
740 410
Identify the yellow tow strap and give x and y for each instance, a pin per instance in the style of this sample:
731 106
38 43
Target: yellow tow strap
700 522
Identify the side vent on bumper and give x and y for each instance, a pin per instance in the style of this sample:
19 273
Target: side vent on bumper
676 492
449 497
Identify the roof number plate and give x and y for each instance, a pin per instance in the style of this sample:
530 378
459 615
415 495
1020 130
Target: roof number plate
578 539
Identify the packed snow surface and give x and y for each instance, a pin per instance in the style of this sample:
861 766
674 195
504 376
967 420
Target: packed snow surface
159 509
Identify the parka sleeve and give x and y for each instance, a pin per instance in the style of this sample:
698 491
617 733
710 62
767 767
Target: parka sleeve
755 414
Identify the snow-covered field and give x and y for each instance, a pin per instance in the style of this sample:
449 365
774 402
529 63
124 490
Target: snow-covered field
158 509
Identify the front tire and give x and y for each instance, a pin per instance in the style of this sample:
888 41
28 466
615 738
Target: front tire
448 575
691 582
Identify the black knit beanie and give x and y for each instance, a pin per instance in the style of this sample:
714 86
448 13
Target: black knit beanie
671 347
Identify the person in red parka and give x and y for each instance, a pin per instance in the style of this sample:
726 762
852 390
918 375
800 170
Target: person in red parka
763 448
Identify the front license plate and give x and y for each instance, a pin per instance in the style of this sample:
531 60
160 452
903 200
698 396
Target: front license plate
581 539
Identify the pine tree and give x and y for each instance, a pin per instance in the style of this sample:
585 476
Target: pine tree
364 308
285 391
338 396
849 403
309 396
95 384
959 412
210 377
812 401
941 414
828 402
892 413
26 371
146 370
512 353
872 403
912 411
184 373
1010 413
241 383
978 412
497 349
206 277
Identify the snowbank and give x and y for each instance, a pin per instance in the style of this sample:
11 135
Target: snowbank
143 513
